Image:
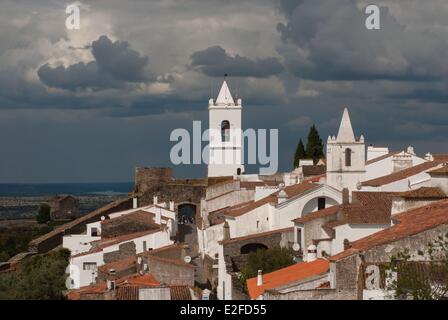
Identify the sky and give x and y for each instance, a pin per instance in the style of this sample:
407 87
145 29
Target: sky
90 105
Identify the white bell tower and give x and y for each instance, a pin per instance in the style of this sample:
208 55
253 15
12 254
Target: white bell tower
345 157
225 135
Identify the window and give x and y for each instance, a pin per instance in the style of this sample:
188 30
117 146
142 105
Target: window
320 203
144 245
225 131
348 157
89 266
258 224
94 232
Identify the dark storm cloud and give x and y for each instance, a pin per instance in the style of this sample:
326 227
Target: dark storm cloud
115 64
215 62
328 40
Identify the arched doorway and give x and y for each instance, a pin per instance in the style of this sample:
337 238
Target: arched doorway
252 247
186 229
186 213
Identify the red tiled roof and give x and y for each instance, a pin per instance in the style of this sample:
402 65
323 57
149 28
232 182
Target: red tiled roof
291 274
118 265
84 219
180 292
127 293
101 244
140 216
333 210
134 281
94 288
423 193
400 175
390 154
409 223
256 235
313 170
442 171
440 157
142 281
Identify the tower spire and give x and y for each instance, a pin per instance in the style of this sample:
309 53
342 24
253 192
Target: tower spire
345 133
224 96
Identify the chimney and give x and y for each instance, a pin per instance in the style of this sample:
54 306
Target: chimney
226 231
312 253
154 200
345 196
135 203
346 244
260 278
158 216
282 196
171 205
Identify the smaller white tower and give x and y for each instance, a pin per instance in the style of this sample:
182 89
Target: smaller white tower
225 135
345 157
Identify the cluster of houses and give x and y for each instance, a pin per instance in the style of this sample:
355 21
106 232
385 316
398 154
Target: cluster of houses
340 218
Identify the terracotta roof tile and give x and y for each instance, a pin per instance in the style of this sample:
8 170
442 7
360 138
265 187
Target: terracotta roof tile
83 219
442 171
101 244
333 210
423 193
140 216
291 274
408 223
118 265
127 293
400 175
440 157
313 170
180 292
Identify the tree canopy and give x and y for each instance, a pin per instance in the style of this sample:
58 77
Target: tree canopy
314 148
40 277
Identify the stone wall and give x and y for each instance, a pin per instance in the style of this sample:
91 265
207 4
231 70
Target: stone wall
320 294
347 269
232 250
124 250
168 271
53 239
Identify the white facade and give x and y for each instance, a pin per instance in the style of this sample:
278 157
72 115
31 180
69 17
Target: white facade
225 135
83 268
345 157
387 165
269 217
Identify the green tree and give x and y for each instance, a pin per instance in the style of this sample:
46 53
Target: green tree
300 153
424 279
41 277
314 146
43 215
267 260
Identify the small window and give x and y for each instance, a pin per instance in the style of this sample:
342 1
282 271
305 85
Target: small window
89 266
94 232
225 131
320 203
144 245
348 157
258 224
